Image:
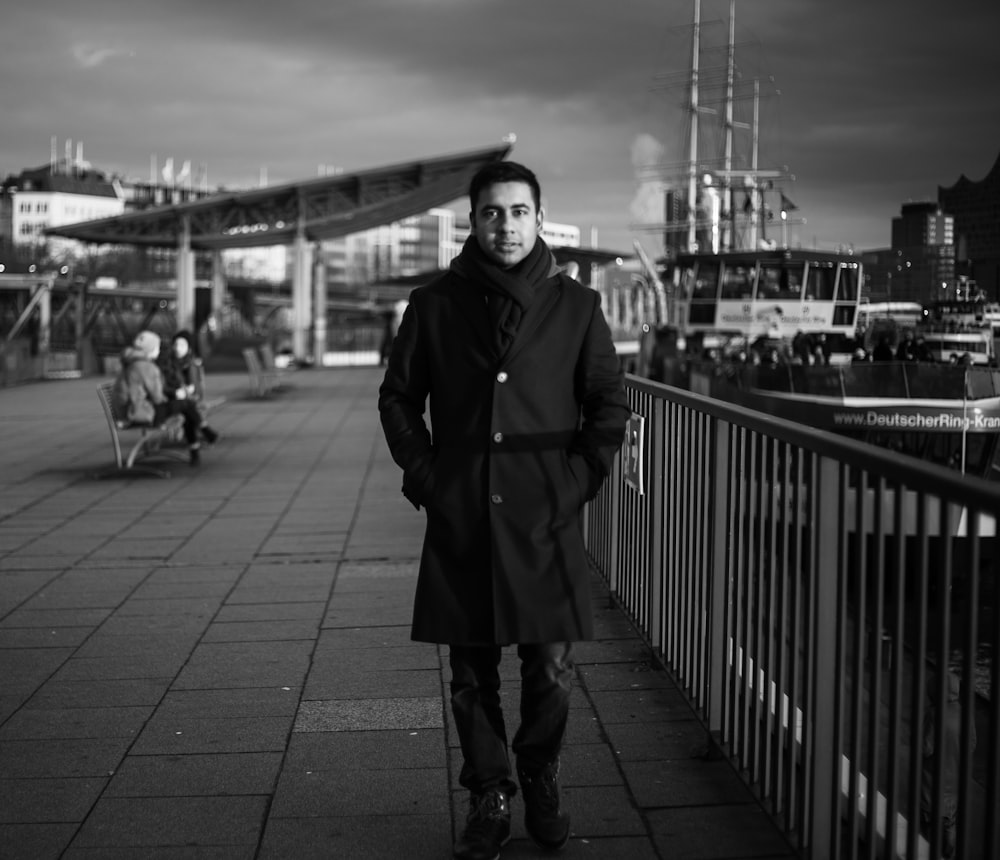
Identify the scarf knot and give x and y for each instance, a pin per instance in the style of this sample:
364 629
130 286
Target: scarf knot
508 292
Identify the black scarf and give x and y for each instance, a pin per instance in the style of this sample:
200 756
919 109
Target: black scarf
508 292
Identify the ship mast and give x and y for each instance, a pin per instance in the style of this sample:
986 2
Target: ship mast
729 223
692 207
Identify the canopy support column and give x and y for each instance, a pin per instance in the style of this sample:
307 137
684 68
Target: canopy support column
218 284
302 256
319 311
185 277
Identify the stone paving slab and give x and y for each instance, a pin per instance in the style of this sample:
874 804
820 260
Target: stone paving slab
218 664
196 775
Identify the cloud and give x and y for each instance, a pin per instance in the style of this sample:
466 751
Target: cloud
91 56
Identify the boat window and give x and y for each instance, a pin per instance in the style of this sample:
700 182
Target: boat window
820 279
946 345
702 313
737 281
703 281
779 282
849 284
687 282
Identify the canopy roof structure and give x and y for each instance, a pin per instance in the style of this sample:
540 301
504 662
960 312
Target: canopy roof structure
315 209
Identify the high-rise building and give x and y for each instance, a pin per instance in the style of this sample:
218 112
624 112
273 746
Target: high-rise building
975 207
920 265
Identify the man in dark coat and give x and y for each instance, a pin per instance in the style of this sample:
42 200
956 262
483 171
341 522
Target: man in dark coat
528 410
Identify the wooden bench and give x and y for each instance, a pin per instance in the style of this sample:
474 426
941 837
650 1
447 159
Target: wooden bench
152 440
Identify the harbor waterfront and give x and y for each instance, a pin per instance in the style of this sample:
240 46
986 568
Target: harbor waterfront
221 657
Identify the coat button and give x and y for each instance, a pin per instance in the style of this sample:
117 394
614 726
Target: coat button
497 499
502 376
498 437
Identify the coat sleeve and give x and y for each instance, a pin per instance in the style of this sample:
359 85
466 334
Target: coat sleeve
154 384
171 382
604 408
402 403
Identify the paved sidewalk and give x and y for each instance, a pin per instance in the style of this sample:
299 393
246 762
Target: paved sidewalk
218 664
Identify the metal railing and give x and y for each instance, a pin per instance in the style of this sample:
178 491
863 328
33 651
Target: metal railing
817 599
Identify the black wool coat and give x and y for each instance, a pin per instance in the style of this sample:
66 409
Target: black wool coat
514 448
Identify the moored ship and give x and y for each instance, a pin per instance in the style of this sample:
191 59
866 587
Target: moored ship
784 330
777 332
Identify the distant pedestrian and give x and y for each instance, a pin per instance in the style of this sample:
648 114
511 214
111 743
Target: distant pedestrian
921 351
907 349
883 350
527 410
138 393
802 347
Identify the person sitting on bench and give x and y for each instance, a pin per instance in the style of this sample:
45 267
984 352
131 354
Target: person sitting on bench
179 366
139 394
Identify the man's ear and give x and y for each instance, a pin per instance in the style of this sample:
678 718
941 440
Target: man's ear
472 219
541 218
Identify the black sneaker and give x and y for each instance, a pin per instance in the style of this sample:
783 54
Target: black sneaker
487 828
209 435
544 820
195 458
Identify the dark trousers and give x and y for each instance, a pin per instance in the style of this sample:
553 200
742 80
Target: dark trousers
187 408
546 680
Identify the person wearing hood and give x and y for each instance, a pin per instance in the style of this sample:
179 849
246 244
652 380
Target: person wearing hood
139 394
528 410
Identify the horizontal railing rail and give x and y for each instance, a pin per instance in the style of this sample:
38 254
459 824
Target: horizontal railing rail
830 609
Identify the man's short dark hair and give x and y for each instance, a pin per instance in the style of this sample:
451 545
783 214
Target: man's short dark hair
504 171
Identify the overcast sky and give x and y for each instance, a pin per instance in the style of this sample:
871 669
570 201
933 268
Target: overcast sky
881 101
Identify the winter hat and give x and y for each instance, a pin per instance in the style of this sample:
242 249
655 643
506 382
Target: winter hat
147 342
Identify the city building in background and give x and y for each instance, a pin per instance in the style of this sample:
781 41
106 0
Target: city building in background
69 189
975 206
920 265
52 195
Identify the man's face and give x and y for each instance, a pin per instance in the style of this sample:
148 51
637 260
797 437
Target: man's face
506 222
181 347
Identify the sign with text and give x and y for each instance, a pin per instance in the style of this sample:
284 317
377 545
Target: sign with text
633 458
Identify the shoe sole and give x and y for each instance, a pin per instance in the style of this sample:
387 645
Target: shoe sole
495 856
548 846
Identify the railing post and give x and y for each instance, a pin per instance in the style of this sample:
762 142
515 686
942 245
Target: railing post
718 638
614 508
654 489
825 611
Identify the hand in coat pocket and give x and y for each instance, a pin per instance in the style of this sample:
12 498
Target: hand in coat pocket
418 484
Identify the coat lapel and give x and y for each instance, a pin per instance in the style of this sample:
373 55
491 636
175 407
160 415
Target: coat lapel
472 305
536 313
